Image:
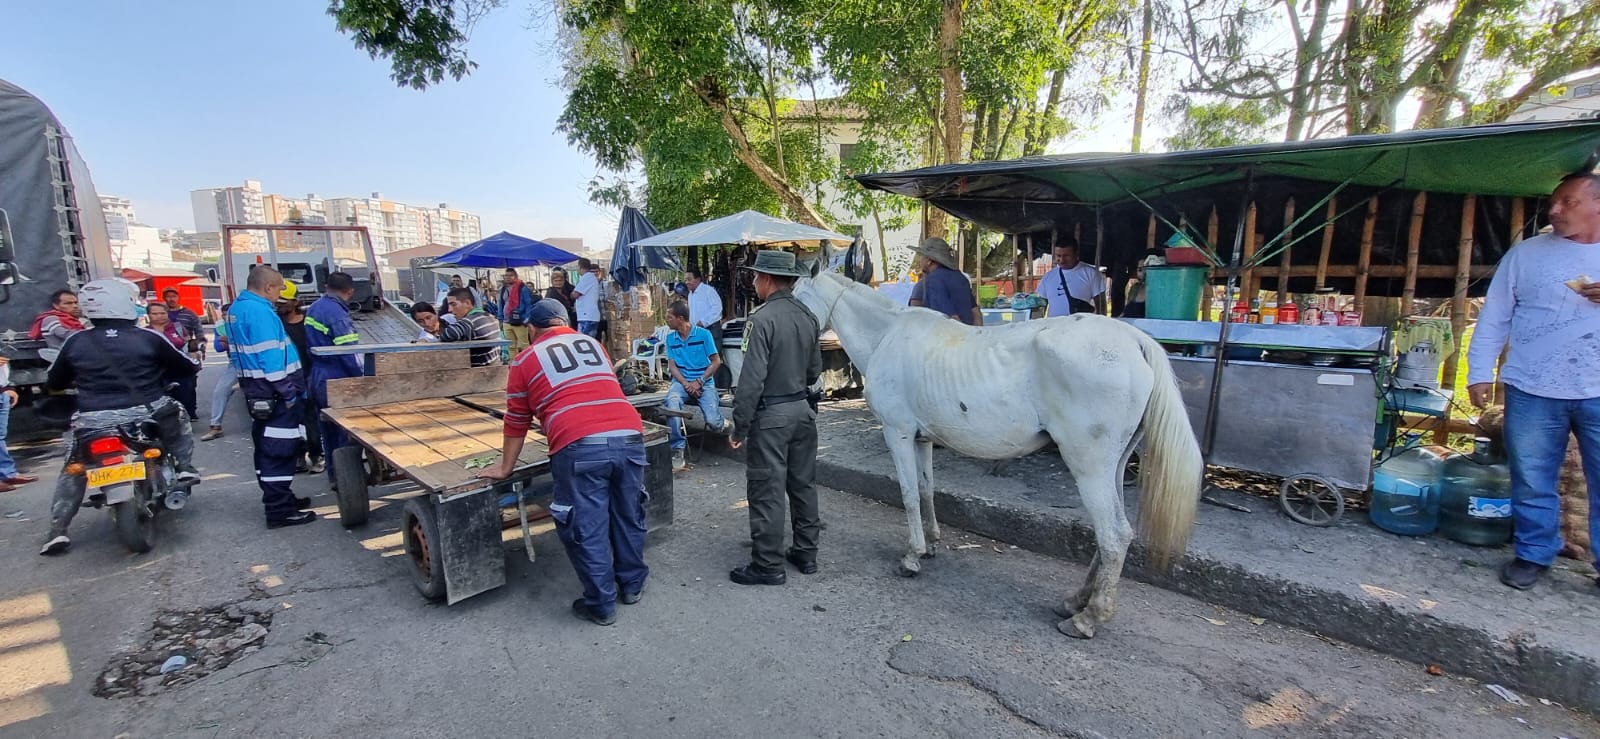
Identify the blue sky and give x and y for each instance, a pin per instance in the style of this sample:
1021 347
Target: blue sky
170 96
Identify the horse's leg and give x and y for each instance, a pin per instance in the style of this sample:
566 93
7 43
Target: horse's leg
902 449
930 521
1073 605
1100 489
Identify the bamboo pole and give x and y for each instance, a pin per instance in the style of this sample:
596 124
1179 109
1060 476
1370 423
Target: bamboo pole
1285 263
1364 262
1458 302
1150 233
1408 295
1017 261
1211 243
1248 280
1517 226
1327 243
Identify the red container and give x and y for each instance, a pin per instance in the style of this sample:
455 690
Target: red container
1186 255
1350 318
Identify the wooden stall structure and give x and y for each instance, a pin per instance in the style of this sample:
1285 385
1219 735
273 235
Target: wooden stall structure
1388 220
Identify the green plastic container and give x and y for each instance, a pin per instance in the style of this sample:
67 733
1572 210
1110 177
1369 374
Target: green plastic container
1173 292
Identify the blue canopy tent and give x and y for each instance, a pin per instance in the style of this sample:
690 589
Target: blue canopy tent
628 260
506 249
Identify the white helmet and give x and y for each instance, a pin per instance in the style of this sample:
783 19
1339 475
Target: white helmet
110 298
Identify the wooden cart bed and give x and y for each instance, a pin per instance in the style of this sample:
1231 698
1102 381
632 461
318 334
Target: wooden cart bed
431 440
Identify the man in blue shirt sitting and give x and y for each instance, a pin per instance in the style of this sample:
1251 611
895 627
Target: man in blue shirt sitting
692 360
943 287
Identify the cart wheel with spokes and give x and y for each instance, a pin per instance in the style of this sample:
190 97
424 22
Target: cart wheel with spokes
1130 471
419 529
1311 500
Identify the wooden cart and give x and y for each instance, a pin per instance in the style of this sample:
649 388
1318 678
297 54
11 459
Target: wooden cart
426 414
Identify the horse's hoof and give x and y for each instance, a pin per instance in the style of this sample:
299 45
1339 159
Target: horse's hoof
929 554
1064 610
1070 628
909 569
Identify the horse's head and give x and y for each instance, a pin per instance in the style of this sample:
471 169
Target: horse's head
820 292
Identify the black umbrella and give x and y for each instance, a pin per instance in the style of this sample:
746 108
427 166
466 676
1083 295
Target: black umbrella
628 262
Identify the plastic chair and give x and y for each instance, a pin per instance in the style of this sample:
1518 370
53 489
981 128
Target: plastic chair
652 352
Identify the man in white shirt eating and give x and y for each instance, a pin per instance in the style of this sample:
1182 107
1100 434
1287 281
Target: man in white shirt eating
1544 308
1072 286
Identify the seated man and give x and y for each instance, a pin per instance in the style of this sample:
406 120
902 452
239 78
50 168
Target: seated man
692 360
472 324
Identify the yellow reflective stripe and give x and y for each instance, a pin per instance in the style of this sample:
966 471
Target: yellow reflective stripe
314 323
346 339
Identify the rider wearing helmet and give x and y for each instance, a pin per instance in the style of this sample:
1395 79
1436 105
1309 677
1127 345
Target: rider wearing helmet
120 371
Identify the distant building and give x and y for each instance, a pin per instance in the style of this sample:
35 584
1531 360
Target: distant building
215 207
395 226
841 125
119 213
144 247
1575 98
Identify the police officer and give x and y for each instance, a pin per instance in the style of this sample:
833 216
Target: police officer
328 324
597 457
270 377
782 359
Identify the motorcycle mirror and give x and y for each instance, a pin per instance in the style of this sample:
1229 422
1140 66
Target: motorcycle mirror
8 246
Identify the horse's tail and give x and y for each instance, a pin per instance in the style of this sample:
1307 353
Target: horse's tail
1170 464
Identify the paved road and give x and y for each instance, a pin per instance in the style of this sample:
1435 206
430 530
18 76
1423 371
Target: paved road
968 649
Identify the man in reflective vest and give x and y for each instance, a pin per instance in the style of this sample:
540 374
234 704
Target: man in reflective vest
328 324
597 457
273 385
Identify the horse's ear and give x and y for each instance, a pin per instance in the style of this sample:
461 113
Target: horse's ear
821 260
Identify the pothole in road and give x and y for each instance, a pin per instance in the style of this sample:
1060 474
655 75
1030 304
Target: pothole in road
185 646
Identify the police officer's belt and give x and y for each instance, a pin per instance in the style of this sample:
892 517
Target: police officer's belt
768 400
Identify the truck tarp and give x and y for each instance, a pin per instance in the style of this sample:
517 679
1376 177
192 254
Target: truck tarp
56 220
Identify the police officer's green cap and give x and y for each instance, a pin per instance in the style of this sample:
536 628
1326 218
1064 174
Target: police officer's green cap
780 263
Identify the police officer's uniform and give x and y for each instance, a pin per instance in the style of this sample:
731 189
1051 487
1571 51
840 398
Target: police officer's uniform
782 360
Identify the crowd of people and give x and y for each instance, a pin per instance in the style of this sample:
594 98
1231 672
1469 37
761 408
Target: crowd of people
560 378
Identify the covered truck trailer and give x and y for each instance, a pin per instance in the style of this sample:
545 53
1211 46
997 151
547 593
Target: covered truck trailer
54 231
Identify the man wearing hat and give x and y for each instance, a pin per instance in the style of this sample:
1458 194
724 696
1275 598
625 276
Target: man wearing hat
782 360
597 457
943 287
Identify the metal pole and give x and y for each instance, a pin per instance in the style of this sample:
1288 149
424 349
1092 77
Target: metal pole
1210 432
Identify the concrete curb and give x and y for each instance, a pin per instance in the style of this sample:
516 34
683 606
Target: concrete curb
1522 664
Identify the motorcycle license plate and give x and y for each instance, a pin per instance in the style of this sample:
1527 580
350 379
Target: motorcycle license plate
103 476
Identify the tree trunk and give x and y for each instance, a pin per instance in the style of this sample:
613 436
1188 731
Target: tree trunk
716 100
1005 135
978 115
1143 90
952 121
991 137
1039 132
1308 53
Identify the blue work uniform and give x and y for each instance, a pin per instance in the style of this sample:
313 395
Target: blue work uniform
268 367
328 323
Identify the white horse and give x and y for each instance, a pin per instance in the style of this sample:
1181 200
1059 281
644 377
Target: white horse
1092 384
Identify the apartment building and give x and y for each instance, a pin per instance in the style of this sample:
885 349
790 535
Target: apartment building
214 207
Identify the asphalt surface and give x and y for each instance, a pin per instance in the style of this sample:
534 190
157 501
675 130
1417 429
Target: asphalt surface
967 649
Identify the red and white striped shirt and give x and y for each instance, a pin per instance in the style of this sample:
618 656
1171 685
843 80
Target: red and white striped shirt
565 379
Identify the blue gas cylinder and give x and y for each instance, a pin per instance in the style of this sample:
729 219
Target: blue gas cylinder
1406 488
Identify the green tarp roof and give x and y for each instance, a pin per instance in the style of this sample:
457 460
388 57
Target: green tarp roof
1510 159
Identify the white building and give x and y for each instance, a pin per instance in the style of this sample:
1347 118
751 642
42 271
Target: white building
144 247
841 132
217 206
119 213
395 226
1575 98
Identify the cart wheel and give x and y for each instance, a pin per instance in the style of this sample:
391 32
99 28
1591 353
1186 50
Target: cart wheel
1311 500
350 474
419 528
1130 471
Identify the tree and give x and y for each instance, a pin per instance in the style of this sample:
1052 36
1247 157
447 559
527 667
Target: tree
1348 65
1218 124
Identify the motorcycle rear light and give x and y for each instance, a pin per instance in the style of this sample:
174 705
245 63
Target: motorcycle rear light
106 446
152 454
74 468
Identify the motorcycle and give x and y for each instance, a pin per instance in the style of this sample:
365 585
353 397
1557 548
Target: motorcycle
128 472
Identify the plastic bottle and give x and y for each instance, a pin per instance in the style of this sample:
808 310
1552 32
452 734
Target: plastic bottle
1255 311
1475 506
1406 488
1240 313
1269 313
1289 313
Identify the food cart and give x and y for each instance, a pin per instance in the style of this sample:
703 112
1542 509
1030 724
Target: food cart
430 416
